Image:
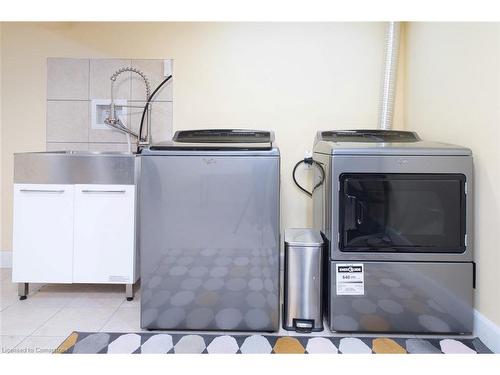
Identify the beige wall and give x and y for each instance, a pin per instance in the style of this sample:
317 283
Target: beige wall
291 78
453 95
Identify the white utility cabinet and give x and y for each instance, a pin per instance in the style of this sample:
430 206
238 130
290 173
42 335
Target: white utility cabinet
74 234
43 233
103 250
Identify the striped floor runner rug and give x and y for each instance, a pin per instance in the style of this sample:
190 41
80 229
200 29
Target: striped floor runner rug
147 342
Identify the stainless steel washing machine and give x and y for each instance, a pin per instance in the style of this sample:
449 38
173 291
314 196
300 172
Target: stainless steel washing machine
209 232
396 212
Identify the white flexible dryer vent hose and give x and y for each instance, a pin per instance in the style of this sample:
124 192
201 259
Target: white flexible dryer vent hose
389 76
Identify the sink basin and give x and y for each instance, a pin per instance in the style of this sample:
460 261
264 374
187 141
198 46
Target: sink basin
75 167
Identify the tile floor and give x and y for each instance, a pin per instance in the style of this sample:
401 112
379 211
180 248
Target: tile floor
51 312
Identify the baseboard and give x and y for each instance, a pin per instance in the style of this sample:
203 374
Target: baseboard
5 259
487 331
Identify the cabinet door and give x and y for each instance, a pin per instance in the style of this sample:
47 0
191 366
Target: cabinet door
43 233
104 250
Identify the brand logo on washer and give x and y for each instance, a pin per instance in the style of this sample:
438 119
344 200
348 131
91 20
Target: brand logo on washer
402 161
350 269
209 160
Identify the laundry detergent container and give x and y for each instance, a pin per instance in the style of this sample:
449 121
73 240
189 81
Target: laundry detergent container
302 307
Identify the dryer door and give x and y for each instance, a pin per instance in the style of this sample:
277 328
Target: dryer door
402 213
414 208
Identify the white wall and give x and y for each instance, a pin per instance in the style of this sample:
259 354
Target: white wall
293 78
453 95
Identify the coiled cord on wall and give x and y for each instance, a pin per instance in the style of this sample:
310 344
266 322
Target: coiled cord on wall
309 161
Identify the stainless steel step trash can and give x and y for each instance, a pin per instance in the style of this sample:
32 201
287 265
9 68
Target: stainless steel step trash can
302 305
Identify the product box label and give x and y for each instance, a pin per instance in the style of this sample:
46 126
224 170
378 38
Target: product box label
350 279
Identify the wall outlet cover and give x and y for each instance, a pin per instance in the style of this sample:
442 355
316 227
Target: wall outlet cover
167 67
308 154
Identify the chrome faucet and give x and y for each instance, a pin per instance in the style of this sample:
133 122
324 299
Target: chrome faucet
115 122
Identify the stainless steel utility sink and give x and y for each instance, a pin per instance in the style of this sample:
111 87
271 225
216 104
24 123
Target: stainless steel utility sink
75 167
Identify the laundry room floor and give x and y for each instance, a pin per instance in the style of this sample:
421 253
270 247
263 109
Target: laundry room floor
52 312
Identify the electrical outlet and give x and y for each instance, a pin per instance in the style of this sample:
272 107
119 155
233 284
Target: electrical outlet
307 154
167 68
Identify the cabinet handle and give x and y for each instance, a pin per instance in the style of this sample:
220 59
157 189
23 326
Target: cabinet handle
42 191
103 191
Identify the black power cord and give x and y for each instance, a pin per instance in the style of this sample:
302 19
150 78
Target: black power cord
309 161
147 104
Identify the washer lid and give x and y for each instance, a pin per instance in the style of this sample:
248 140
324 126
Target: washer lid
303 237
223 136
219 139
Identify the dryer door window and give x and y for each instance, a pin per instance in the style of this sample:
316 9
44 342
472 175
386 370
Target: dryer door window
402 213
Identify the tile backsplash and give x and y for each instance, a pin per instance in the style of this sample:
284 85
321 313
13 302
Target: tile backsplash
73 85
68 79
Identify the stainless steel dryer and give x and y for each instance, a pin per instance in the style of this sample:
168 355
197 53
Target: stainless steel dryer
209 232
397 215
